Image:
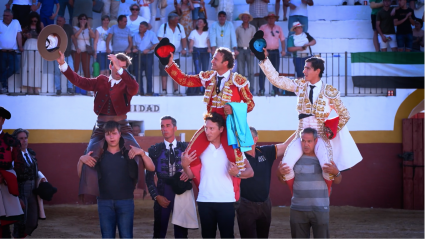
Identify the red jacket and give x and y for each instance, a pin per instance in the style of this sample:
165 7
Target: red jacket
120 94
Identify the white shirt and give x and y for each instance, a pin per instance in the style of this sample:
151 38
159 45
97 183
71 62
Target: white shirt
25 158
171 167
8 35
113 81
134 25
101 43
216 183
316 90
199 41
301 9
22 2
224 80
174 37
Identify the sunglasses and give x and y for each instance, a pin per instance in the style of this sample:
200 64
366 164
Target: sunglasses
135 9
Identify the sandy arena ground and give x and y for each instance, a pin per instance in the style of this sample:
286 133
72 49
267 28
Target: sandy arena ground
65 221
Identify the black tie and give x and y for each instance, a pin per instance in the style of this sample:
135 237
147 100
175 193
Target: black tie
172 156
310 95
217 88
28 159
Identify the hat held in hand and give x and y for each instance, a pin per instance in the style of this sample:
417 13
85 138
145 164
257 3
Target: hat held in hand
50 41
45 190
257 44
163 50
331 127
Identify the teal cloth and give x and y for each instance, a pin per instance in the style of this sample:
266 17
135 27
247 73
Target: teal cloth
238 132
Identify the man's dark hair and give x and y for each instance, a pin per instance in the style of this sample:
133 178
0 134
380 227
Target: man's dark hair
227 56
309 131
123 57
111 126
253 131
8 11
144 24
222 13
206 24
317 63
120 17
20 130
215 117
105 17
167 117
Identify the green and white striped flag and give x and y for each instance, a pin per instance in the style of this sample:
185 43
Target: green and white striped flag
388 69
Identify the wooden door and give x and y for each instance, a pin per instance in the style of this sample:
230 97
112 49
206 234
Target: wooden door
413 164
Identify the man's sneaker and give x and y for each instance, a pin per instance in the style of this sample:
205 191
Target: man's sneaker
58 92
70 91
164 93
176 92
3 90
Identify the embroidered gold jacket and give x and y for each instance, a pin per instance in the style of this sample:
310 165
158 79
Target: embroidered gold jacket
327 100
236 89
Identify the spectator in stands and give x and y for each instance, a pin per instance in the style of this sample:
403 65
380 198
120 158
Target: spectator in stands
28 174
144 44
199 46
110 9
63 4
418 36
299 43
174 31
121 37
99 46
285 6
244 33
21 9
134 20
31 59
82 34
199 11
298 13
71 40
227 7
10 43
273 34
136 130
404 20
223 34
385 27
258 10
184 10
82 7
46 11
144 11
154 6
376 6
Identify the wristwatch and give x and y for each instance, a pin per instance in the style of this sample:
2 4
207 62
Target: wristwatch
239 174
337 175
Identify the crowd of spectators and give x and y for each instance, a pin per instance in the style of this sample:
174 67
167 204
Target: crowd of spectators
126 27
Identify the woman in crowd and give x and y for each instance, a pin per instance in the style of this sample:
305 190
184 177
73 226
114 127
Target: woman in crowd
299 43
184 10
82 33
134 20
418 36
31 59
199 46
99 44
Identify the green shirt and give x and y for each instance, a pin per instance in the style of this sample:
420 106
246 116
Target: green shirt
375 10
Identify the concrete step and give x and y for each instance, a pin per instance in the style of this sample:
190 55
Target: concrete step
340 29
339 13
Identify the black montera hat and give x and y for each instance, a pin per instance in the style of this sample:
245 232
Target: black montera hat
4 113
163 50
257 44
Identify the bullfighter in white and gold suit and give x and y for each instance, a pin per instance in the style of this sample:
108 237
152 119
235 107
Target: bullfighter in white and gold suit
313 112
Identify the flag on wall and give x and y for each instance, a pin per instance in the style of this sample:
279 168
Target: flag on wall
388 69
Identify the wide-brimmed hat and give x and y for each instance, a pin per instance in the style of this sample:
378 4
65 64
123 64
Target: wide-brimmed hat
271 14
51 40
246 13
4 113
45 190
112 22
295 24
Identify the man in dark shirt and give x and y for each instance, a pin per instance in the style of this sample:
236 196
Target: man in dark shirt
117 175
404 19
385 27
254 211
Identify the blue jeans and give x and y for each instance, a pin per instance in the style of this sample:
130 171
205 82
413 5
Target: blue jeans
274 58
57 72
201 60
9 65
113 213
405 41
62 5
146 65
299 63
297 18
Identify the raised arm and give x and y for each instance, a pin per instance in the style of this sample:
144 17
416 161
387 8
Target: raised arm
281 148
181 78
280 82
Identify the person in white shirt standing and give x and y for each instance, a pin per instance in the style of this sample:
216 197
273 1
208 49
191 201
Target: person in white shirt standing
100 54
216 194
298 13
174 31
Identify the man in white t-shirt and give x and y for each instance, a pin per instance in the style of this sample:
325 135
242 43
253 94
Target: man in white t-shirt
10 43
298 13
174 31
216 194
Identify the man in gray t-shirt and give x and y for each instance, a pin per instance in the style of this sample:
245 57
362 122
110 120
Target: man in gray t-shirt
310 196
121 37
